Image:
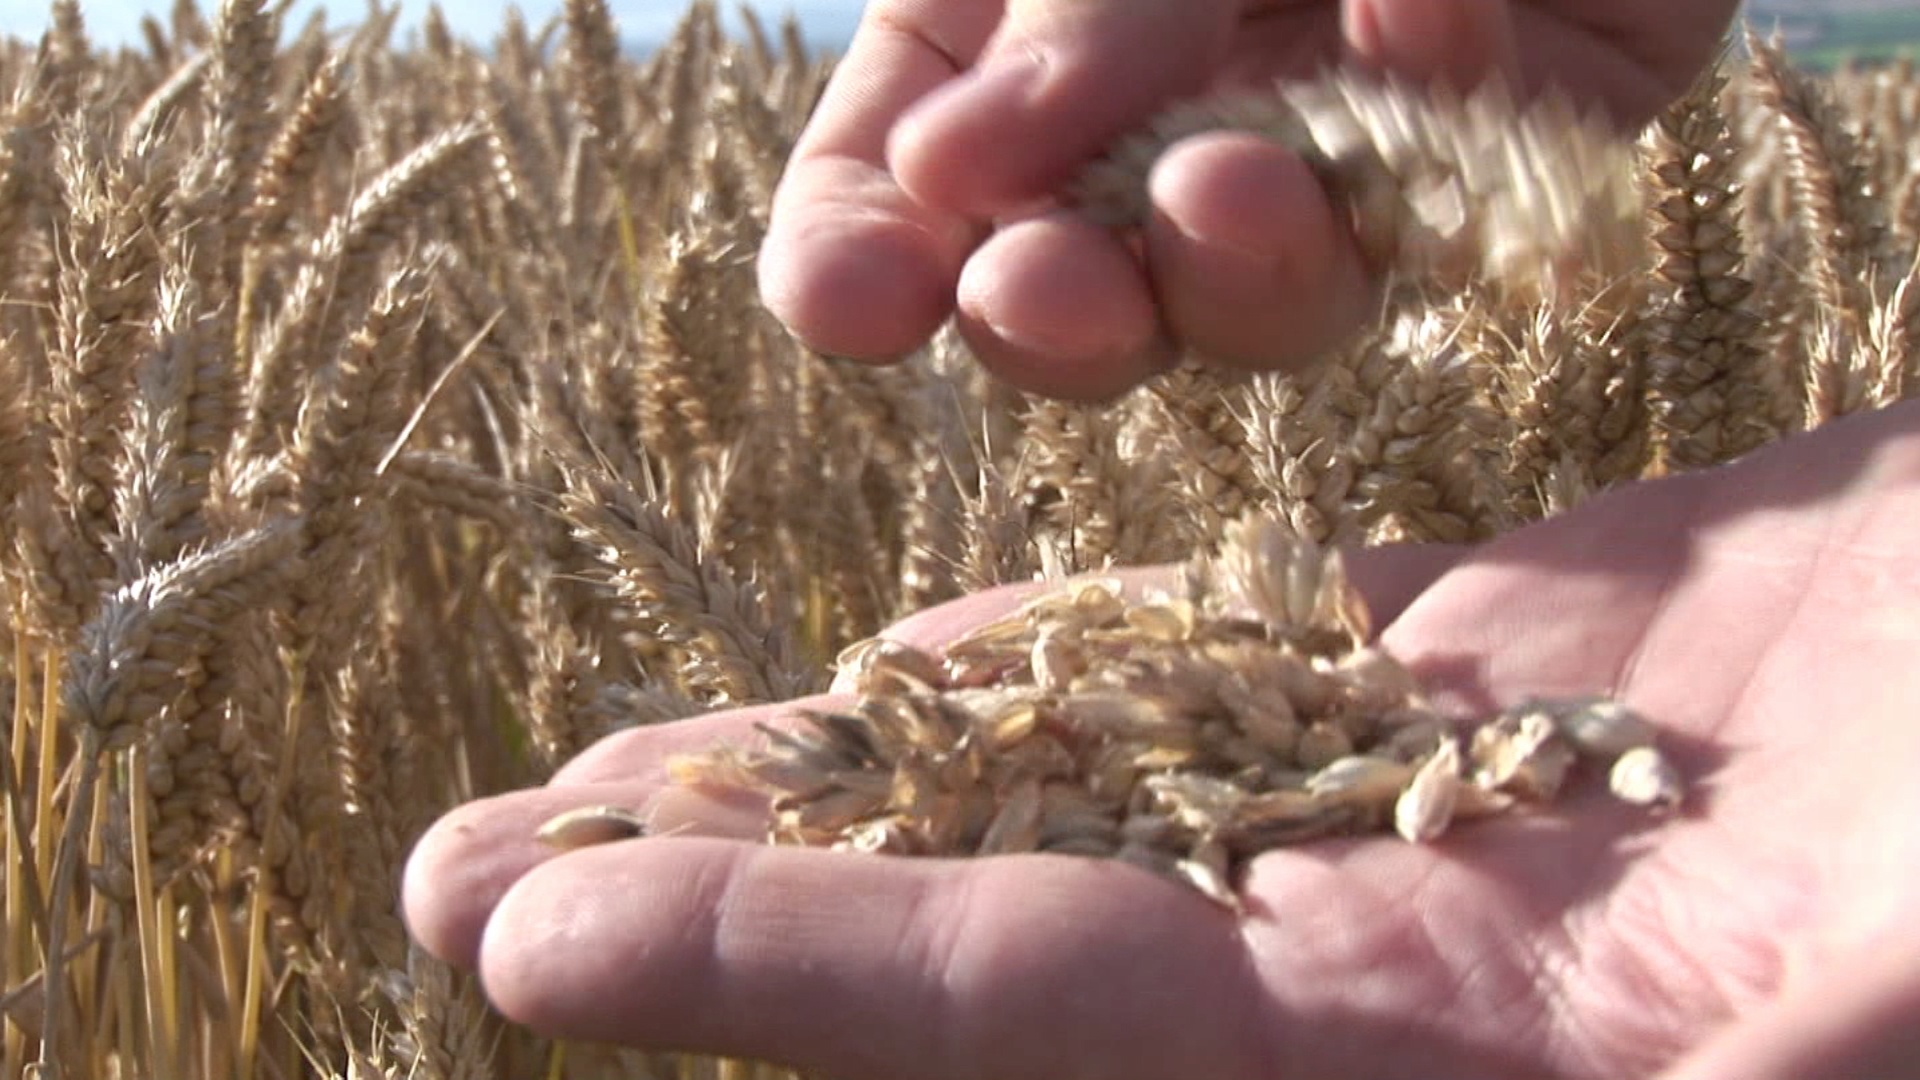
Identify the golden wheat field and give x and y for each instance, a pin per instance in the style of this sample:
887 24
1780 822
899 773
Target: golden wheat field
383 421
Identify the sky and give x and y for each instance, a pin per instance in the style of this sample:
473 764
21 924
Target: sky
114 22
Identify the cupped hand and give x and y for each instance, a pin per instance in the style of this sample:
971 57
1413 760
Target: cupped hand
921 184
1765 615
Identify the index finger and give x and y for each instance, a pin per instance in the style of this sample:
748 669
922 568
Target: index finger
851 263
903 51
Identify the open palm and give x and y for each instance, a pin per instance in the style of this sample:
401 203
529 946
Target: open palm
1764 615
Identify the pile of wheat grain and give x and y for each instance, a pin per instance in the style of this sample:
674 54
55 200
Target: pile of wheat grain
381 422
1185 732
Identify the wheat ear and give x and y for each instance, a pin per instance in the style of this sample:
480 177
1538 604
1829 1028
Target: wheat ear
334 290
1716 393
655 565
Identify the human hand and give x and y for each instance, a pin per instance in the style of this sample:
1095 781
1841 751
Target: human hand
1764 615
920 183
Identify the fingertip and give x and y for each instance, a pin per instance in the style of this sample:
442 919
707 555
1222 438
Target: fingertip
939 153
1084 378
609 944
704 945
530 957
1058 307
456 873
1251 262
869 288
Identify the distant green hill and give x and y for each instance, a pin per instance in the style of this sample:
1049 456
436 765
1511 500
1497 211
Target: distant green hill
1827 39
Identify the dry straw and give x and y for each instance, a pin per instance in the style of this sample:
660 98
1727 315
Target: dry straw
382 423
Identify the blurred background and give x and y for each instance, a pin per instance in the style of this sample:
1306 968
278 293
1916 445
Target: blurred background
643 23
1826 33
1820 33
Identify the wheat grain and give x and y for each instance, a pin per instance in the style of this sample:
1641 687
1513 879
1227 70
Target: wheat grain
1410 428
352 413
1440 190
239 89
1844 226
1198 412
103 298
297 152
169 97
593 53
1185 734
164 476
68 57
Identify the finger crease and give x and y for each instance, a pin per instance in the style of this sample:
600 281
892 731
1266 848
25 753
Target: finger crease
920 34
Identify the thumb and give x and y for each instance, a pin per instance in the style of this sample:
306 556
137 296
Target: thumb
1457 43
1851 1021
1059 80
